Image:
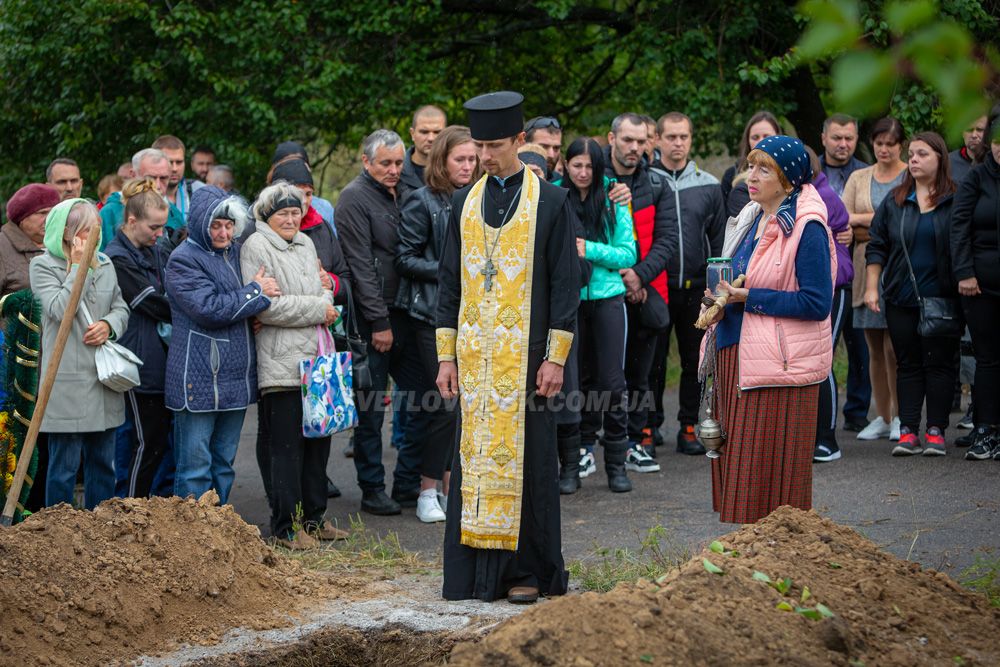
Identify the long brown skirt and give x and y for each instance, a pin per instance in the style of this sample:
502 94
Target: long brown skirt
770 438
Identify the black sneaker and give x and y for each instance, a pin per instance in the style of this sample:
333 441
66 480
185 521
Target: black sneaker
984 444
966 421
331 489
826 452
854 426
406 497
966 440
379 504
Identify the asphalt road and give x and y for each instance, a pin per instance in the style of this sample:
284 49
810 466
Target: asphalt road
938 511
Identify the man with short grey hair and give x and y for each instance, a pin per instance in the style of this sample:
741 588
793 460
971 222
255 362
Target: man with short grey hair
148 163
367 222
221 176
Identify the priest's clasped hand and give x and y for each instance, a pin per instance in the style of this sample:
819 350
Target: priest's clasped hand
549 379
447 379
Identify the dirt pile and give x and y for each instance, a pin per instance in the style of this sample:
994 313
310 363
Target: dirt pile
885 611
137 576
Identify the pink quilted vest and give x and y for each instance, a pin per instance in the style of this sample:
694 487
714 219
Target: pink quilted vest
781 352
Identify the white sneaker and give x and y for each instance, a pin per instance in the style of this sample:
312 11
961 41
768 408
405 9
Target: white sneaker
637 460
894 429
588 465
442 502
875 430
428 509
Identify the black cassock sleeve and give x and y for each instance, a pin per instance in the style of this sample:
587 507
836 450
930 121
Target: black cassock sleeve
564 271
449 269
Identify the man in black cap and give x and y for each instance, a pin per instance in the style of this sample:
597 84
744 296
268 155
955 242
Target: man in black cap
509 292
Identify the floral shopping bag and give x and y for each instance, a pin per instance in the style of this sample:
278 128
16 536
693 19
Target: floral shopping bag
327 392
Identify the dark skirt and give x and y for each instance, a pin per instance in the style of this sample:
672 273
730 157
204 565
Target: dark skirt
770 439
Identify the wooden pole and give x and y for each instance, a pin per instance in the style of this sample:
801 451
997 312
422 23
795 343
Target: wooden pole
45 390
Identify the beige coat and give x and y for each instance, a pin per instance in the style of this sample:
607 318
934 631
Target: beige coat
16 251
858 199
79 403
289 332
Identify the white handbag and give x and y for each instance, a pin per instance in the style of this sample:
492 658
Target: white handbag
117 366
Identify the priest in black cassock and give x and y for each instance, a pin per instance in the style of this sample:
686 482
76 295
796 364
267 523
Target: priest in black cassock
508 297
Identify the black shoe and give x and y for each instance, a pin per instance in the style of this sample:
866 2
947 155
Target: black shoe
614 465
985 444
406 497
349 450
826 452
331 489
379 504
966 440
687 441
967 421
569 465
854 426
657 441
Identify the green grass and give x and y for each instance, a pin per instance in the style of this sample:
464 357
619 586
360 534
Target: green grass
604 568
983 576
364 549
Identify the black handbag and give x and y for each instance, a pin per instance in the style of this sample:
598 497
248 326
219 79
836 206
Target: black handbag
940 316
354 343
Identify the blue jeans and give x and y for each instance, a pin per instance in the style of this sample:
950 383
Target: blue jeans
859 385
205 446
98 450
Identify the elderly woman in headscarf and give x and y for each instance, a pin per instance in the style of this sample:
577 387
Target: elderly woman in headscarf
211 374
82 414
771 343
293 467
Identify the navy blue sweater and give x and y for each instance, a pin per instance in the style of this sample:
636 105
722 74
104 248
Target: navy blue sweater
812 301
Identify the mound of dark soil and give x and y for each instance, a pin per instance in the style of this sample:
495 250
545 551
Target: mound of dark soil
885 611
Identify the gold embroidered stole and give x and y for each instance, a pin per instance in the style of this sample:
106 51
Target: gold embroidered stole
492 356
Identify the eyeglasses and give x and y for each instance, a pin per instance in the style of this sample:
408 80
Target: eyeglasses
542 123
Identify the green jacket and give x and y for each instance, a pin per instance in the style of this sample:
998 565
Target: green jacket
608 258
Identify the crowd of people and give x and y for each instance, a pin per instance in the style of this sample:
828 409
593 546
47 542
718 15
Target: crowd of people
221 300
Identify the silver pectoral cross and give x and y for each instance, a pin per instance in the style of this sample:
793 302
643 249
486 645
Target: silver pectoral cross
489 270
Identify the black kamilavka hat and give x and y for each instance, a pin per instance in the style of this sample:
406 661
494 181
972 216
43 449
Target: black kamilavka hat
495 115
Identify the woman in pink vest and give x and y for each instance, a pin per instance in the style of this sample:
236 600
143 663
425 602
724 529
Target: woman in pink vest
772 341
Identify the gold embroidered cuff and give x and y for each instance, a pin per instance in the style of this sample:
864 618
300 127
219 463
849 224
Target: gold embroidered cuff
557 348
446 339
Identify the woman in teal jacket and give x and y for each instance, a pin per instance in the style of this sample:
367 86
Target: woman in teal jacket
609 246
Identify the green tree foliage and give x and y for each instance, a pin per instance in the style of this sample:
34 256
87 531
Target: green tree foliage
98 79
932 65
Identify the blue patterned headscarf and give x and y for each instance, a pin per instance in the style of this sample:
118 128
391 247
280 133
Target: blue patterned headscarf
791 156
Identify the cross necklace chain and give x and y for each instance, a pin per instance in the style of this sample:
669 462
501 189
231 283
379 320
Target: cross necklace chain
489 269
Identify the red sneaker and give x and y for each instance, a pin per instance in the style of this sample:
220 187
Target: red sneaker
908 445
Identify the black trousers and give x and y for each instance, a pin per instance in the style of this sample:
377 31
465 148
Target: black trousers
151 429
293 468
403 363
684 306
982 314
826 414
640 346
601 328
438 441
926 369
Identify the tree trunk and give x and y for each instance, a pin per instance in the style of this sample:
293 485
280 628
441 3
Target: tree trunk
809 114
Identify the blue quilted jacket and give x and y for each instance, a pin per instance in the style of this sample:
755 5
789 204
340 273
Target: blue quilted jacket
212 363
